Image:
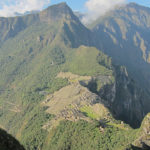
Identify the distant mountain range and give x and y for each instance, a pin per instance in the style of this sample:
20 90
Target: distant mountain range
27 13
67 86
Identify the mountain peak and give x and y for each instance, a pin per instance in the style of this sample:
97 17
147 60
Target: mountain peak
62 5
137 6
132 4
58 11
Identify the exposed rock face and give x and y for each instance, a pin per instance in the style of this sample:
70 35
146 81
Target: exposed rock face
123 97
129 99
143 140
123 34
56 13
146 125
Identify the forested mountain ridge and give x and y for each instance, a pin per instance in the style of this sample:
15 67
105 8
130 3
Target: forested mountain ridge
63 14
54 84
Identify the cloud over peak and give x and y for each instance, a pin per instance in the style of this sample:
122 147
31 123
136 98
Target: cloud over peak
97 8
11 7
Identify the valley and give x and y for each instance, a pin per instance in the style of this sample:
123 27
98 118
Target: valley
67 86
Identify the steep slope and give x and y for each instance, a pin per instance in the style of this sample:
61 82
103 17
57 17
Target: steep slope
142 141
126 100
7 142
37 62
31 59
123 34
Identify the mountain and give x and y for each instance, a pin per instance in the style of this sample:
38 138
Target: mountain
124 35
7 142
57 91
30 58
142 142
79 14
27 13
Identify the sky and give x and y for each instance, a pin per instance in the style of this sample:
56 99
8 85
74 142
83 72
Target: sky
91 7
79 4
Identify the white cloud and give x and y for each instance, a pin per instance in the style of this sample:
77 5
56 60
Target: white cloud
10 7
97 8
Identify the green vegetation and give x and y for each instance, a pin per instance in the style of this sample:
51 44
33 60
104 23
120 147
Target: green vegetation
57 56
88 111
29 69
83 135
33 135
30 60
104 60
84 61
